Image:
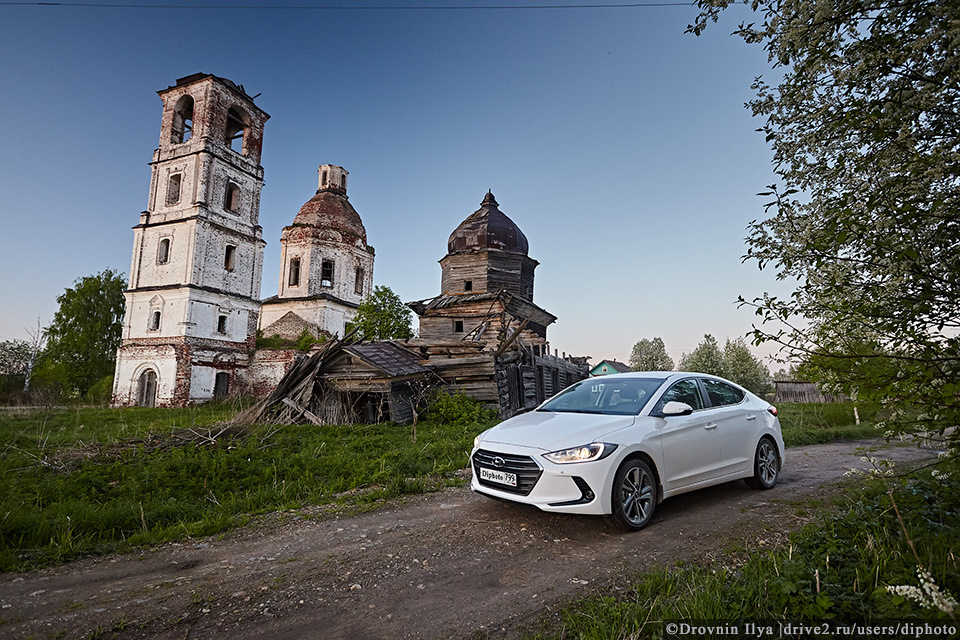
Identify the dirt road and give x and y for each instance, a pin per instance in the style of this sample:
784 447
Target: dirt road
447 565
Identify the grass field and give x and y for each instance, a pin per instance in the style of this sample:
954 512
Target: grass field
81 481
828 422
86 480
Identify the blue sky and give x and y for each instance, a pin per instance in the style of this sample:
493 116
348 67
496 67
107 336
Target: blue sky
619 144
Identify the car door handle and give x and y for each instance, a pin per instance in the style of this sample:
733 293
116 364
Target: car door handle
712 425
751 417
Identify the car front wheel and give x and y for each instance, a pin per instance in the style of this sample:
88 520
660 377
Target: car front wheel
634 495
766 466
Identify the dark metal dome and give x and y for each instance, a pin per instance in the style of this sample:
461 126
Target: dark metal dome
488 228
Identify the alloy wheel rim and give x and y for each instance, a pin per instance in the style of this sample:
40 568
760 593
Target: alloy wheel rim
767 463
636 495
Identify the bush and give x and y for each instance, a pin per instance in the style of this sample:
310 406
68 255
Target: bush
102 391
457 409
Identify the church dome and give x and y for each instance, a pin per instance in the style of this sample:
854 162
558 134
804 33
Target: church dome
488 228
330 212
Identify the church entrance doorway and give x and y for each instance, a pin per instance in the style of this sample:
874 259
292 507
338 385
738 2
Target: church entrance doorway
147 389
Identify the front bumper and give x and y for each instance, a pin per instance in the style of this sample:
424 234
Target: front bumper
566 488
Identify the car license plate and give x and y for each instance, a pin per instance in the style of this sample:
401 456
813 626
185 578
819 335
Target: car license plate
500 477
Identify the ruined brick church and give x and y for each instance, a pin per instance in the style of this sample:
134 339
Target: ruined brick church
193 307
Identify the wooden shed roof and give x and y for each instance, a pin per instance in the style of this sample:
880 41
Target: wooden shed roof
388 357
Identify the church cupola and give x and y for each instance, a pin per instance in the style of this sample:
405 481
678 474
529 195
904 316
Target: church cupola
326 264
333 178
488 228
487 252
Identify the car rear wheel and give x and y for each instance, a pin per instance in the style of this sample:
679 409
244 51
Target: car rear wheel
766 466
634 495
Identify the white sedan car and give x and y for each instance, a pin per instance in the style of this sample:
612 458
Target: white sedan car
617 445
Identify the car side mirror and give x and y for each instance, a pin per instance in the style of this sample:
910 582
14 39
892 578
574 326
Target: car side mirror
674 408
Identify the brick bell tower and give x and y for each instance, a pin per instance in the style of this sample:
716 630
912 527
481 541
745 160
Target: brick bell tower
192 305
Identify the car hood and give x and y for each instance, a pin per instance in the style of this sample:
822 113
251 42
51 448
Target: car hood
550 431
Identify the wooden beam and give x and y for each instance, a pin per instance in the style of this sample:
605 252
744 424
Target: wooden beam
513 336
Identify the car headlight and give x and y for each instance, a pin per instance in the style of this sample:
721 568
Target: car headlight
585 453
476 441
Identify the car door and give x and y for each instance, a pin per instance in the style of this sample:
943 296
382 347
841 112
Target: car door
736 423
691 445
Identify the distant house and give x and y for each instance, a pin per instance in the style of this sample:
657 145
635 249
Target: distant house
606 367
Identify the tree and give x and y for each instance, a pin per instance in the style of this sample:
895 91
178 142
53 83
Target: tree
382 316
38 340
865 129
734 362
746 369
14 364
650 355
83 338
706 358
14 357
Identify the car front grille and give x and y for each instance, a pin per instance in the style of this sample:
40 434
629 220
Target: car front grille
528 472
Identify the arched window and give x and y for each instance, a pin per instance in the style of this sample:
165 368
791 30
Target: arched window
173 188
230 257
182 129
238 126
147 389
163 251
221 324
154 324
294 276
323 179
231 197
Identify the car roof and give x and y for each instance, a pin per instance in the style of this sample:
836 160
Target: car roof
656 375
642 374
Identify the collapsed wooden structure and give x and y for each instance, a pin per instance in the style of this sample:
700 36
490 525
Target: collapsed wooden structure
349 381
483 335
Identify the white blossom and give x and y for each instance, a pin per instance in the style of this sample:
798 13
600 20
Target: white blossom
927 595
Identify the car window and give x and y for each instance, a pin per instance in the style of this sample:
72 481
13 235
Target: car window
687 391
721 393
604 395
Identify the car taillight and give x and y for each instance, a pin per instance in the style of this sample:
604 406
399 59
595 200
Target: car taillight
772 410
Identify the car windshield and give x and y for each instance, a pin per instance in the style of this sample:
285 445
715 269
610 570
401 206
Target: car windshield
605 396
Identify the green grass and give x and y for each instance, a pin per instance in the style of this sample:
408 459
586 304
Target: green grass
82 481
836 568
804 424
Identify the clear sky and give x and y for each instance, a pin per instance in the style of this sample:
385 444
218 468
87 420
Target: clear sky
618 144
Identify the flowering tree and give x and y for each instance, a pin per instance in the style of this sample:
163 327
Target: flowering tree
864 122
